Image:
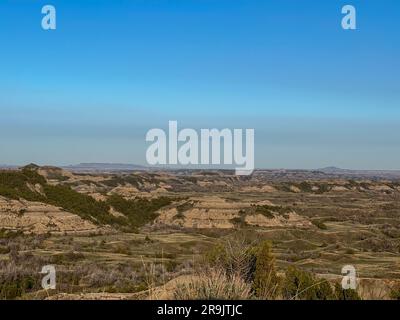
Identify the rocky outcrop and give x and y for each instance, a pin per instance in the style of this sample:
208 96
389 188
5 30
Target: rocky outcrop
39 218
215 212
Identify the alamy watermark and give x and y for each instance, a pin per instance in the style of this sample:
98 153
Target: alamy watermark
188 147
49 280
49 21
349 280
349 21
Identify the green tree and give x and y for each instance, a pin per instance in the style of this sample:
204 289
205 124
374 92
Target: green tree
266 281
302 285
345 294
395 292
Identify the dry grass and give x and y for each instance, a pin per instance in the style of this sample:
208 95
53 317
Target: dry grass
213 284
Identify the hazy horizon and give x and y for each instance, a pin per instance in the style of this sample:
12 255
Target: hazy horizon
181 167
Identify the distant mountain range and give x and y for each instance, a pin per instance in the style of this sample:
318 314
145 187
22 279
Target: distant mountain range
90 167
123 167
104 167
339 171
332 170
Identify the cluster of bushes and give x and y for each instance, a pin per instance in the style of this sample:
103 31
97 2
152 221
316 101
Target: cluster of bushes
10 234
395 292
253 269
117 180
15 185
20 277
269 211
181 208
303 285
19 274
304 186
83 205
67 257
265 210
241 220
132 179
16 286
254 264
322 188
319 224
138 211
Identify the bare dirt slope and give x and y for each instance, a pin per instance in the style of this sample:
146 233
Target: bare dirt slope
39 218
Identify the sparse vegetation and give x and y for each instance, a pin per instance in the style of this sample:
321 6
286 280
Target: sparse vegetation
266 281
345 294
83 205
138 256
15 185
138 211
395 292
302 285
214 284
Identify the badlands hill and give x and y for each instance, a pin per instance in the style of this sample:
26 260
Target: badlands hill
120 234
50 199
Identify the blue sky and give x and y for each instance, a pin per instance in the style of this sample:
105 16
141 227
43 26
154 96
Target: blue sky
315 94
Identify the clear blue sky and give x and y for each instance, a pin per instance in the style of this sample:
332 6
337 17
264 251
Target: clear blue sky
89 91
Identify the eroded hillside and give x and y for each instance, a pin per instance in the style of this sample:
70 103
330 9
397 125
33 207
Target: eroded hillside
107 229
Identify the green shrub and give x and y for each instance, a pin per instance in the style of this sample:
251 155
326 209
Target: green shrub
255 264
319 224
19 184
323 291
10 234
81 204
67 257
323 188
302 285
345 294
239 221
265 211
266 281
270 211
14 184
395 292
138 211
235 257
217 255
16 286
305 186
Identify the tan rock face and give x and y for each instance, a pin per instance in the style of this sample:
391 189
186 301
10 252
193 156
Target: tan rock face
39 218
264 188
381 188
116 213
295 189
51 172
292 220
126 192
206 212
339 188
216 212
97 196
